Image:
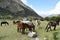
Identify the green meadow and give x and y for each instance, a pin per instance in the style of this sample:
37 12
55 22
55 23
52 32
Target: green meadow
9 32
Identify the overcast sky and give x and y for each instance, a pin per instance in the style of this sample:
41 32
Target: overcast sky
44 7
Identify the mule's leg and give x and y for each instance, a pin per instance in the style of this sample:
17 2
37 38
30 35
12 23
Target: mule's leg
33 28
1 24
30 28
58 23
55 27
7 23
17 29
23 30
48 28
26 29
20 29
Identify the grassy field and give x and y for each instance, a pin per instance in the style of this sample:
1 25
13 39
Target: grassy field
10 32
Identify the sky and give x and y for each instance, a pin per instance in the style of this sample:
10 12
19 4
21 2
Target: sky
44 7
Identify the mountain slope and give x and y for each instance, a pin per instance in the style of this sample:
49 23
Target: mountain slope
16 8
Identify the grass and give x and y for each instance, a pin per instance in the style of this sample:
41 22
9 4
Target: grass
10 32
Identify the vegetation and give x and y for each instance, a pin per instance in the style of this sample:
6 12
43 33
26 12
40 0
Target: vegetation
52 18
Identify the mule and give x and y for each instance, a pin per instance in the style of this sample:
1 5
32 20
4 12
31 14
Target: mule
23 26
52 24
4 22
15 22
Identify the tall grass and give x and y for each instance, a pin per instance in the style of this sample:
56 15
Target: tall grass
10 32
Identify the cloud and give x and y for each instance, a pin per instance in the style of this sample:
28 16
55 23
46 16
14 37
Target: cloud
56 10
24 1
37 11
32 6
41 13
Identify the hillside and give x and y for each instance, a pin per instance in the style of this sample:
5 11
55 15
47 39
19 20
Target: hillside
15 8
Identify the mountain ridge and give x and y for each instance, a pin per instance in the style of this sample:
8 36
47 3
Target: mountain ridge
16 8
54 15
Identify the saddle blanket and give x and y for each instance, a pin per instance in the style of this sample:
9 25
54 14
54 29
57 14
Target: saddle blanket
25 22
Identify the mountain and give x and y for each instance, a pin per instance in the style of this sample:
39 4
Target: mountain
15 8
54 15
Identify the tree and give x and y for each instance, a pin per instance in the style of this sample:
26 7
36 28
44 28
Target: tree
47 18
54 18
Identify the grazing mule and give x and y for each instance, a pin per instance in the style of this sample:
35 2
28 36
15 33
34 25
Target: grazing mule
4 22
52 24
23 26
37 22
14 22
